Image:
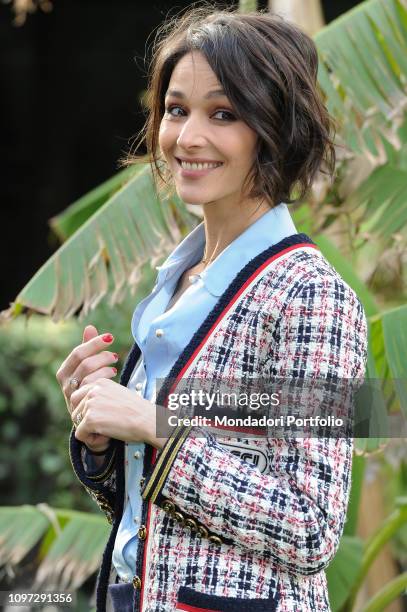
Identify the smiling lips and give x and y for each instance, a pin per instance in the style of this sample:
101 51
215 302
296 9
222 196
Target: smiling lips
197 168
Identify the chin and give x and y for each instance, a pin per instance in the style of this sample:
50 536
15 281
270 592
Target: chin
193 201
198 199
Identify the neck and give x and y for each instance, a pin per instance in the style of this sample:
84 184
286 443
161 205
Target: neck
223 224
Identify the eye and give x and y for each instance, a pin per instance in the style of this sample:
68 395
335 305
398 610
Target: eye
229 115
170 109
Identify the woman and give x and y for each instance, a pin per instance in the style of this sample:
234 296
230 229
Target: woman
202 522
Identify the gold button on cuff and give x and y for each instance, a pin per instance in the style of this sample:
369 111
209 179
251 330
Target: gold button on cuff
142 532
137 582
191 524
179 517
203 531
215 539
159 333
168 506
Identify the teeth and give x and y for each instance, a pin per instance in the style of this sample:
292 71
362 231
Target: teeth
195 166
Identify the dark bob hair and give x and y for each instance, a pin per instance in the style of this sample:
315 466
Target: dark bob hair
268 69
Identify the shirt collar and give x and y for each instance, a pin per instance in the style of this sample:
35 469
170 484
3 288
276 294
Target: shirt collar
270 228
185 254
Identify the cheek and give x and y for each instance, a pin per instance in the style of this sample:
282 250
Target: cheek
248 140
161 139
166 136
239 145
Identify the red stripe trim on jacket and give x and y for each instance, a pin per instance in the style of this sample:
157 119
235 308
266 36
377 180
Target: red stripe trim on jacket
188 608
235 298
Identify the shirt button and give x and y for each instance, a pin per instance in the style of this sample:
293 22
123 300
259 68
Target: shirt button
193 278
137 455
137 582
159 333
139 386
136 519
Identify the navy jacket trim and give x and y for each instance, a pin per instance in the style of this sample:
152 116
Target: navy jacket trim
190 600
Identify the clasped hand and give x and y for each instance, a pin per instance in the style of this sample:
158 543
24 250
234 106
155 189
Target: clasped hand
109 409
99 407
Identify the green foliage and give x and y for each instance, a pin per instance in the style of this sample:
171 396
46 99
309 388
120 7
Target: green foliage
341 572
70 220
35 424
371 549
364 211
102 260
67 545
34 463
387 594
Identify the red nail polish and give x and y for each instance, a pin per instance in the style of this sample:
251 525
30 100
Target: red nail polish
116 356
107 338
114 370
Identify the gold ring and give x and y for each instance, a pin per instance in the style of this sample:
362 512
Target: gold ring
74 383
78 418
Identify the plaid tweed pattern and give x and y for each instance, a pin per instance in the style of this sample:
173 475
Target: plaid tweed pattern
219 531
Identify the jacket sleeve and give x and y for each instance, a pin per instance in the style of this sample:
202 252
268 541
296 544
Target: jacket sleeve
99 482
294 513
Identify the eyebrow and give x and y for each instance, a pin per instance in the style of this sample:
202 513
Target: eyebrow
211 94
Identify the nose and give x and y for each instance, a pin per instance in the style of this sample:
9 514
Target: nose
192 133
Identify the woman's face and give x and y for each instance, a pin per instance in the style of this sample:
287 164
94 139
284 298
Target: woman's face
200 125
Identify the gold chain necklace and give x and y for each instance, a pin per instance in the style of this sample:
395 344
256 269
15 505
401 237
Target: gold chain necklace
205 259
194 277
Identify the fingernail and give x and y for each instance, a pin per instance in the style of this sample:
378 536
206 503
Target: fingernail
116 356
114 370
107 338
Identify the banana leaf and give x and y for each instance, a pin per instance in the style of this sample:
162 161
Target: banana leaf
68 545
104 257
363 68
20 530
363 74
72 218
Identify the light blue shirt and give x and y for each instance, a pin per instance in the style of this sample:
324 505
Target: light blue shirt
163 334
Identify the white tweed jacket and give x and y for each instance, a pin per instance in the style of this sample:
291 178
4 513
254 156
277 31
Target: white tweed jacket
219 532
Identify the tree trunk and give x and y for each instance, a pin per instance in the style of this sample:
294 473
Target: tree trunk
305 13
